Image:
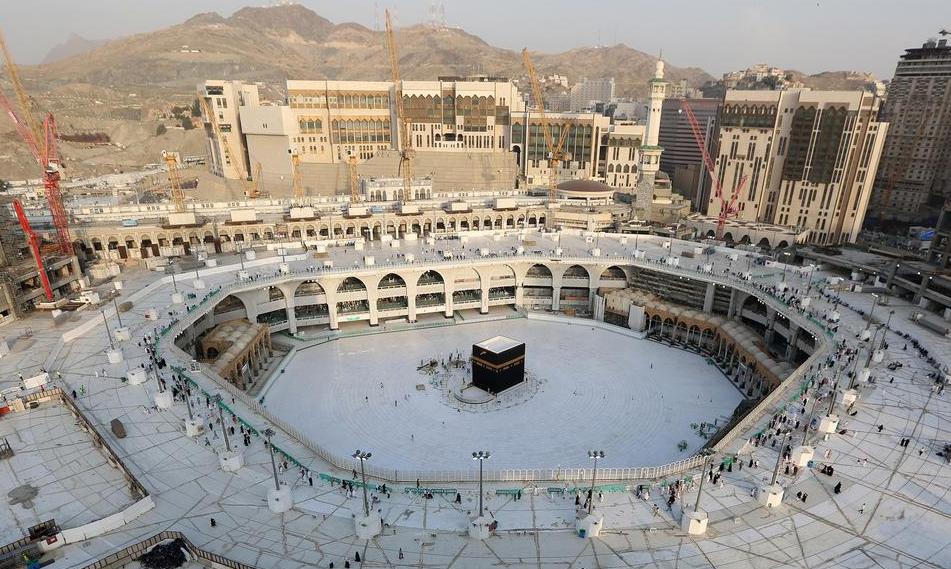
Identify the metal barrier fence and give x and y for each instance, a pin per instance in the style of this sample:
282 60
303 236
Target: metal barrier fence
346 463
136 550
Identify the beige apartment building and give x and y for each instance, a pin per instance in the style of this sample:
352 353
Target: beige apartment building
469 132
226 99
582 145
809 158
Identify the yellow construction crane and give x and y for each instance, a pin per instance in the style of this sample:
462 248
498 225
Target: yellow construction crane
354 179
26 109
229 156
178 195
556 152
296 182
405 138
254 189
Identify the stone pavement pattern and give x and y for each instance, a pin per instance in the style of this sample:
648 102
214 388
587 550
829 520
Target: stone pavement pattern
893 510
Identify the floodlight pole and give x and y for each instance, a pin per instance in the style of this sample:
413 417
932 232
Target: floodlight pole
268 433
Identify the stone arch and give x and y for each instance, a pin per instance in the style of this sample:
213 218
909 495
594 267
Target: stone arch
613 273
576 272
390 280
351 284
538 271
763 243
308 288
274 293
230 303
467 278
430 277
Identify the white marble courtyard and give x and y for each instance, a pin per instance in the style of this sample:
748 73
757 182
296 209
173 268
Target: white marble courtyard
599 390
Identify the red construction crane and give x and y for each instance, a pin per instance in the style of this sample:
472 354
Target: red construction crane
44 151
34 243
727 208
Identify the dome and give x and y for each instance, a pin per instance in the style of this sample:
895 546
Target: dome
585 187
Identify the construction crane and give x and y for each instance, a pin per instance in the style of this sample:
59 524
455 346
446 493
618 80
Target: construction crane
34 243
254 190
727 206
42 145
250 190
174 181
556 152
354 179
405 138
296 181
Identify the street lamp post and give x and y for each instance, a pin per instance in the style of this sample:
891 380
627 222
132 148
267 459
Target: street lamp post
363 457
872 311
221 421
835 388
779 459
812 414
786 254
594 455
118 317
888 321
188 404
268 433
703 474
108 333
481 456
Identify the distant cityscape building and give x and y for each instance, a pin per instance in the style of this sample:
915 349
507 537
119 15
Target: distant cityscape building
587 92
621 145
582 144
682 159
469 133
810 158
226 99
914 179
761 73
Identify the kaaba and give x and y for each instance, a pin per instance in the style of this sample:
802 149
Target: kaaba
498 364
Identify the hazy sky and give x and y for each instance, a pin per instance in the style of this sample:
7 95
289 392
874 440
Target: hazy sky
716 35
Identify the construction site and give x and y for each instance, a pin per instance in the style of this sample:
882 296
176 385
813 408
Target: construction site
337 162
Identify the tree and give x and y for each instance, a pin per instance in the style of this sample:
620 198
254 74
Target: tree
160 130
187 123
196 108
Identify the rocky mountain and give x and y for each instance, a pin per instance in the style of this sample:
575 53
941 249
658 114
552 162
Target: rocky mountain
74 45
835 80
275 43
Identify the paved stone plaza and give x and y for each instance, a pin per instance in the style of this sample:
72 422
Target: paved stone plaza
894 509
599 389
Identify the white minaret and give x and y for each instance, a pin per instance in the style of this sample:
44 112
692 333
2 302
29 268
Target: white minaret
658 92
650 151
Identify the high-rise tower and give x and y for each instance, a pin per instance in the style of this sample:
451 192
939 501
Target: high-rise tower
914 179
